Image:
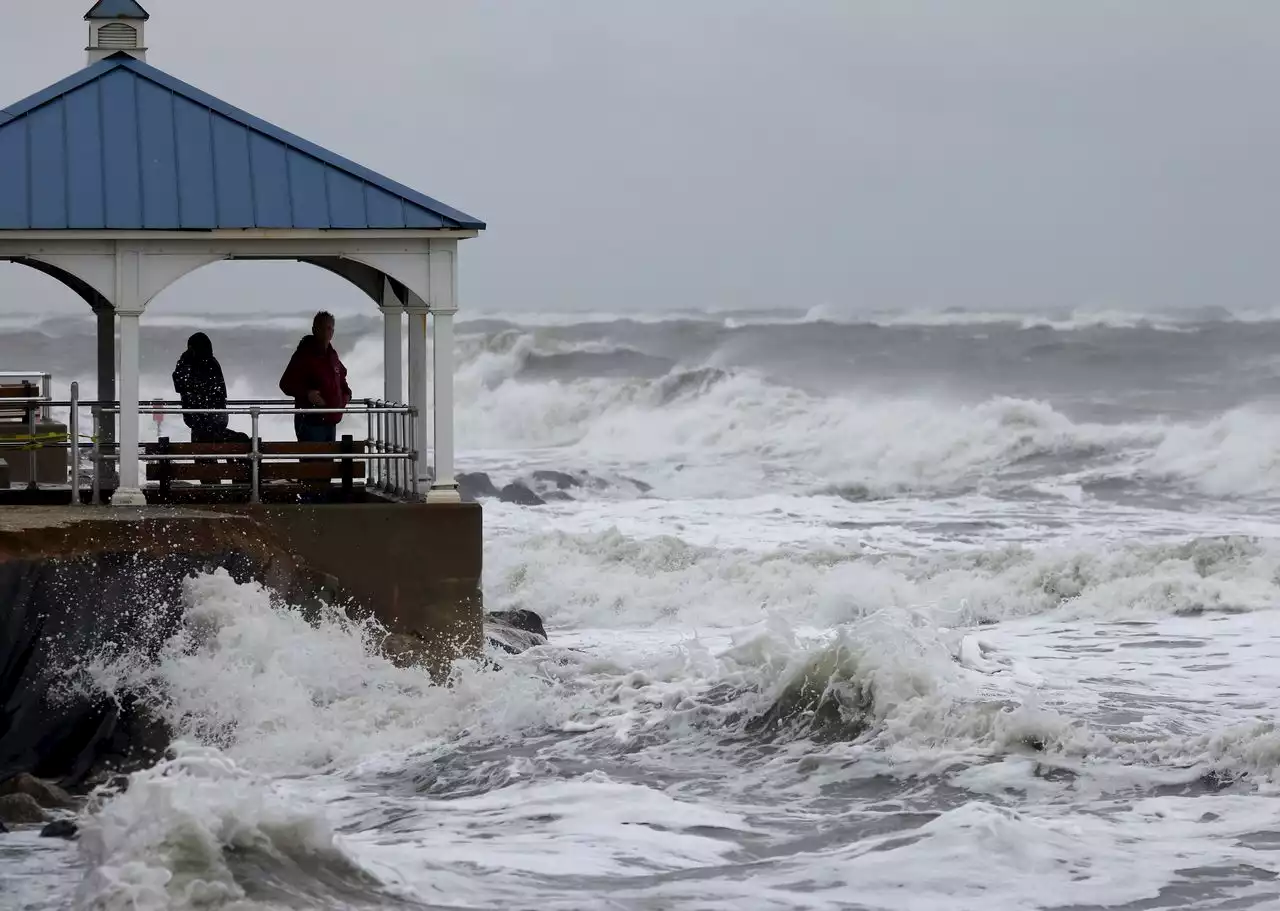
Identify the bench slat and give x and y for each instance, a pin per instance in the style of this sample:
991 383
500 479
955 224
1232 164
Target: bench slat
271 447
197 448
199 471
302 471
267 447
239 472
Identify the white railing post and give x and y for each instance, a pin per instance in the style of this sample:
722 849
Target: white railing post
254 470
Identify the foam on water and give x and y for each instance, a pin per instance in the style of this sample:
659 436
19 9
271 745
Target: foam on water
659 767
855 648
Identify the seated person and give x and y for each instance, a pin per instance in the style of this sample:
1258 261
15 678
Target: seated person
198 380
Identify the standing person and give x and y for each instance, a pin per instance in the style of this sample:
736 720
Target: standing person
315 378
199 382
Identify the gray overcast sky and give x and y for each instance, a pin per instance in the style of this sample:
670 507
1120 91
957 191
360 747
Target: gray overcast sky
636 154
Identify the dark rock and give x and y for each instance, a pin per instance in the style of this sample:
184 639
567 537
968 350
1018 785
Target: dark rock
21 809
520 495
47 795
523 620
818 706
60 828
515 631
475 485
3 829
138 740
639 485
111 782
560 479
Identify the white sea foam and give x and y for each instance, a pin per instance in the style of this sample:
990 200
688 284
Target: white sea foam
301 722
851 650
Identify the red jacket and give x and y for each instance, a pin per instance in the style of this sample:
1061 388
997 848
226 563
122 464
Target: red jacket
317 368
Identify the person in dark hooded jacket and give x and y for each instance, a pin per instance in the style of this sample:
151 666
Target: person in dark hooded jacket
316 378
199 382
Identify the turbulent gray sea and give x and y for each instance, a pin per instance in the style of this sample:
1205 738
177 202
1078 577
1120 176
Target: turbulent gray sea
939 611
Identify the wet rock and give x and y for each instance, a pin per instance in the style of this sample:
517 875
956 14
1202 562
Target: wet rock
21 809
639 485
819 705
110 782
476 485
523 620
47 795
561 480
133 738
520 495
515 631
3 829
60 828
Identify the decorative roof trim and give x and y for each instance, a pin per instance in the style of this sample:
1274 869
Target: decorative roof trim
117 9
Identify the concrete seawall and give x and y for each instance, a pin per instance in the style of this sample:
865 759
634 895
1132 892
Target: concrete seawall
88 581
416 567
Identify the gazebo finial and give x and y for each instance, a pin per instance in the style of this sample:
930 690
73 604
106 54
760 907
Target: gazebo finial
116 26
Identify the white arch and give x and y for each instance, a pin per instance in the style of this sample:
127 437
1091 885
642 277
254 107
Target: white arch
125 273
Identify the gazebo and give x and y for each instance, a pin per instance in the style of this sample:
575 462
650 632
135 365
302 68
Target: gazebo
120 179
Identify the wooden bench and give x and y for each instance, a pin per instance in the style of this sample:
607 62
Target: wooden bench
231 468
17 411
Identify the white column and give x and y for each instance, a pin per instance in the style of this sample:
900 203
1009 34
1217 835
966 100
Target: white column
442 278
392 358
443 486
416 308
129 491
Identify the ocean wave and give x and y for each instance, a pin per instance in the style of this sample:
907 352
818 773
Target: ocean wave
731 428
199 831
712 431
1065 320
810 670
608 579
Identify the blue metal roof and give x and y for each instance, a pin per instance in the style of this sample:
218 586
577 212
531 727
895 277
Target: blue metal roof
117 9
121 145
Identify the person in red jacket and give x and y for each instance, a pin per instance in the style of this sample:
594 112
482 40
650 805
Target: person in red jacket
315 378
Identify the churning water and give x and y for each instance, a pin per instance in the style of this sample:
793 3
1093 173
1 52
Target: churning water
951 612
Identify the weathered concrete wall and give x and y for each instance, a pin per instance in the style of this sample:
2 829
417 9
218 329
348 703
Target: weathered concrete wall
416 567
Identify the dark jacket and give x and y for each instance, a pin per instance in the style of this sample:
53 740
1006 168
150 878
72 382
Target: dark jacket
316 366
199 383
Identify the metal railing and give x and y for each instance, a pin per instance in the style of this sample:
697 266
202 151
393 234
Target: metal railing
389 448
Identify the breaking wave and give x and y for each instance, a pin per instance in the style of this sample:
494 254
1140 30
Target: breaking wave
832 660
707 431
